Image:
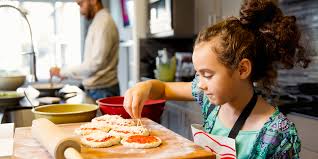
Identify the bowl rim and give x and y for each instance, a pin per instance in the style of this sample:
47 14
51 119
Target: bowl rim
103 104
10 76
19 95
66 113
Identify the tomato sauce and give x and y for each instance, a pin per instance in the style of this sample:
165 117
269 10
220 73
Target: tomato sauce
88 128
101 140
142 139
122 131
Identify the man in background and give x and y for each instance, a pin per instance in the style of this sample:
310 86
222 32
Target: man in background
98 71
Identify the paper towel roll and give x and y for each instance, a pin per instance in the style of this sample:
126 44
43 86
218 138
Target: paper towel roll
55 140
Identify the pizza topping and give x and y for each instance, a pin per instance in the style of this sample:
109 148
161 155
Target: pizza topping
89 129
124 122
129 130
107 118
99 136
142 139
99 140
115 121
122 131
93 126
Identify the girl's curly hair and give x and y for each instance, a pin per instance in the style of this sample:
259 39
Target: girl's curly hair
261 34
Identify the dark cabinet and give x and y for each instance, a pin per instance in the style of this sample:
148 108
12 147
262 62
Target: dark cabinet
179 115
171 18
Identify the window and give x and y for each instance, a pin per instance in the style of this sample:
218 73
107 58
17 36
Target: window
56 35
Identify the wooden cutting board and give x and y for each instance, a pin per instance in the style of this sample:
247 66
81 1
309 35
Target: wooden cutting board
173 146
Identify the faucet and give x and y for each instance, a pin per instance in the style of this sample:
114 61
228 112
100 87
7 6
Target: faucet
32 53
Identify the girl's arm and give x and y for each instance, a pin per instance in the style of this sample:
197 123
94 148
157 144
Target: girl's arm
154 89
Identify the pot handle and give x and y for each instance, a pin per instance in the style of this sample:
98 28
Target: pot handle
28 99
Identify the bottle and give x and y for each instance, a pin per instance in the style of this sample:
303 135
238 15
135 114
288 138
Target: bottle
165 67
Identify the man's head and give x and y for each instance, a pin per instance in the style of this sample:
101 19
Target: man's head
89 8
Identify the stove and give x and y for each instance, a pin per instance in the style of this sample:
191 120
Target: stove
302 98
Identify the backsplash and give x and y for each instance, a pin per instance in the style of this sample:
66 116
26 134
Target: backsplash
306 12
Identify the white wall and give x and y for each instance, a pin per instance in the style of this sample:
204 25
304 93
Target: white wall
139 31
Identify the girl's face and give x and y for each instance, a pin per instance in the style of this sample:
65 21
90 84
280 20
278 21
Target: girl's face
220 84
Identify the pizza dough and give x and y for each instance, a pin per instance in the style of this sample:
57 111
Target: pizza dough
100 139
114 120
107 130
107 118
126 131
88 128
123 122
120 122
139 141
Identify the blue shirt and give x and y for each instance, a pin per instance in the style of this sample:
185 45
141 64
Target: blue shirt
277 138
244 140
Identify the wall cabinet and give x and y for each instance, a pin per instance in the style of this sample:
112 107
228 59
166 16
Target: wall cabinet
209 12
205 13
230 8
171 18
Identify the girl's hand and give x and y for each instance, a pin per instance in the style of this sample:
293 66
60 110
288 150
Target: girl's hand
135 98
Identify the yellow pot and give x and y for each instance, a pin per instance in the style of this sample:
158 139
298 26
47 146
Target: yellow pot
66 113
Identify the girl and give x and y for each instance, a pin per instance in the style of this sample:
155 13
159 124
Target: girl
229 57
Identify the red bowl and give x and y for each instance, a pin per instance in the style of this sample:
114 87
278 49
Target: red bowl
114 106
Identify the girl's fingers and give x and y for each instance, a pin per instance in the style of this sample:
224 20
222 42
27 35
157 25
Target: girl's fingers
135 105
128 104
141 106
135 98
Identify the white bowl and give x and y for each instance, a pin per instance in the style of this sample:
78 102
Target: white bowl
11 83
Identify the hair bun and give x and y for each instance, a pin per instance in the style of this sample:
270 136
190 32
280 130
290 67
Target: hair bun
254 13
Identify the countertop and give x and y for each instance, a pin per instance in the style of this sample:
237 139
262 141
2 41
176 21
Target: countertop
306 108
173 146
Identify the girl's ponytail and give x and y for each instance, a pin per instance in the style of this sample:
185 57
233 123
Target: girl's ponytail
278 33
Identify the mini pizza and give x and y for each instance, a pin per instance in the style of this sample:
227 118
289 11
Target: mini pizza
123 122
126 131
88 128
119 122
106 118
100 139
139 141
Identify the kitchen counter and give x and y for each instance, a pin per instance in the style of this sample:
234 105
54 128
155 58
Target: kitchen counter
301 98
173 146
305 108
22 116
